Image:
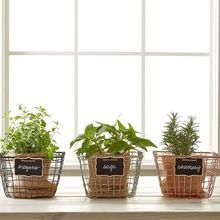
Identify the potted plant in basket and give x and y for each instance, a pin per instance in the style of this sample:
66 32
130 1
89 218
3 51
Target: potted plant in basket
29 155
182 171
110 157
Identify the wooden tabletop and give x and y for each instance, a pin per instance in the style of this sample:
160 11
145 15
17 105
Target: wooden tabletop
70 202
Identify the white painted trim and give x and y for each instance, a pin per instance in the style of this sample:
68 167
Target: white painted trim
101 53
5 63
143 72
214 76
75 68
41 53
190 54
218 70
211 116
1 66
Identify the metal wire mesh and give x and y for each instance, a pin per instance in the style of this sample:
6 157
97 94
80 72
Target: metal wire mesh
100 186
20 186
186 186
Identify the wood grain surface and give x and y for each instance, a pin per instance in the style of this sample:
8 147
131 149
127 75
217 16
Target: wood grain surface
70 203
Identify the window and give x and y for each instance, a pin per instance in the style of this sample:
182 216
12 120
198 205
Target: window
96 60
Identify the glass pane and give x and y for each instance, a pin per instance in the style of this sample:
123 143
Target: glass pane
110 25
109 87
46 81
41 25
177 84
177 25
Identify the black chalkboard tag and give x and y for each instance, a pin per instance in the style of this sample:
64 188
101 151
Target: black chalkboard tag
28 166
189 166
110 166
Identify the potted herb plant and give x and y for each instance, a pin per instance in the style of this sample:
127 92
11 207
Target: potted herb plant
110 157
182 171
30 165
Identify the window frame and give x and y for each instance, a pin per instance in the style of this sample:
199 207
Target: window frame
213 54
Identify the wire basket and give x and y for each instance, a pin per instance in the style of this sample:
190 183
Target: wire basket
173 184
114 186
34 186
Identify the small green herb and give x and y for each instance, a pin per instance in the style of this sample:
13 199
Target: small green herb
27 133
180 138
105 138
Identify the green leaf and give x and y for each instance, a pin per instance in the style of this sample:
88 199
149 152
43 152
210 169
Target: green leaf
100 130
27 133
109 128
85 143
77 139
121 126
92 149
110 138
132 132
88 150
43 123
17 117
89 131
51 150
142 142
180 138
84 147
118 147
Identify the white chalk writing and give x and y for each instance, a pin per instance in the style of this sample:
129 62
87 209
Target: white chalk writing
109 167
189 167
27 168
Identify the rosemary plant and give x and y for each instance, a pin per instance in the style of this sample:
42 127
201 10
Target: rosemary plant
180 138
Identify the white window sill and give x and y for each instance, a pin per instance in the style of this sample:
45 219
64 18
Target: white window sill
70 202
74 170
146 170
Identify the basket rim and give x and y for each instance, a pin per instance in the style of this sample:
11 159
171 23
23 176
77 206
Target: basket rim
106 154
57 154
198 154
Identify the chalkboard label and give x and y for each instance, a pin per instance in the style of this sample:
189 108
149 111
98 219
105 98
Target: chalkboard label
110 166
28 166
189 166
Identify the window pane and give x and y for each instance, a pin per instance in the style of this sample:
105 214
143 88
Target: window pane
46 81
177 84
109 25
109 87
46 25
177 25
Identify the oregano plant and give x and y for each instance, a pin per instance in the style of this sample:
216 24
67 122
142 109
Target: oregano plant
28 133
180 138
101 138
